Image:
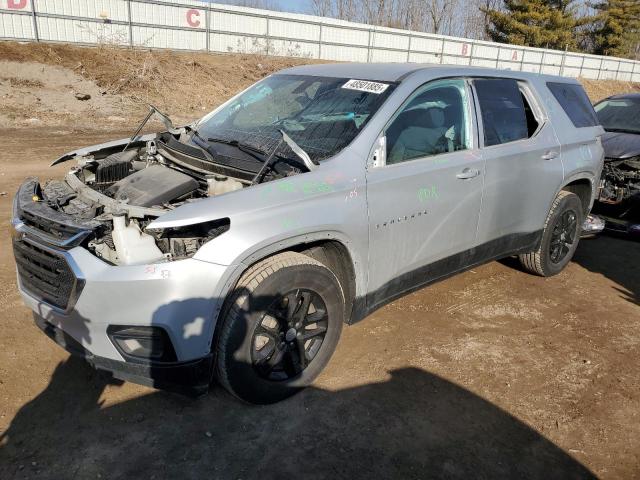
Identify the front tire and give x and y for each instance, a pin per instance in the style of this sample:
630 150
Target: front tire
280 328
559 239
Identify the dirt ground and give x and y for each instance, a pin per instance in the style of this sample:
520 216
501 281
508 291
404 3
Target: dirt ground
493 373
39 83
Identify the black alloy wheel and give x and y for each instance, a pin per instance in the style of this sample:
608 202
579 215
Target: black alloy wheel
563 236
279 328
289 335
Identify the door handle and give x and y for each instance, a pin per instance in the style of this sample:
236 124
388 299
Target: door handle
550 155
468 173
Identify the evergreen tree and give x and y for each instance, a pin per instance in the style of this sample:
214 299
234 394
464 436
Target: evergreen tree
536 23
617 31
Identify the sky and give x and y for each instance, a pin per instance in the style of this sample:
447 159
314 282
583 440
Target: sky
300 6
296 6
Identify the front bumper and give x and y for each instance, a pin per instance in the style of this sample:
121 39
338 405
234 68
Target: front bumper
191 377
183 298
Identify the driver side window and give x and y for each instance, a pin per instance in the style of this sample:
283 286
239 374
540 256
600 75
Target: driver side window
433 120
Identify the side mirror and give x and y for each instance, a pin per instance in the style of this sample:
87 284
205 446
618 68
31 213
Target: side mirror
378 156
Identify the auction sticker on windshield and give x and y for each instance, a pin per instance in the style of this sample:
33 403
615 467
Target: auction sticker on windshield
366 86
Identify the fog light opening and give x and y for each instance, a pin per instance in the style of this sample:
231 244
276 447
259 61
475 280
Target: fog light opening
146 344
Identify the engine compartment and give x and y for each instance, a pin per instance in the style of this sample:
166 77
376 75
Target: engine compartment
620 181
117 194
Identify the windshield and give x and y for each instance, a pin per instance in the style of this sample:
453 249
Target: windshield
322 115
619 114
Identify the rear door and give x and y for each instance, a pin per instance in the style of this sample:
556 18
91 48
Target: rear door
523 164
424 198
579 129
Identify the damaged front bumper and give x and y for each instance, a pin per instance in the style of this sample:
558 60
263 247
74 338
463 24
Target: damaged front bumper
190 377
77 298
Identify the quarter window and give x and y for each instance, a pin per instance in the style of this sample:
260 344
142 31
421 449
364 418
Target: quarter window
504 115
575 103
434 120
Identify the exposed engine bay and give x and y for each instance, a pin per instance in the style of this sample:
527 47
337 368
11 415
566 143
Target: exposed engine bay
117 193
620 181
619 195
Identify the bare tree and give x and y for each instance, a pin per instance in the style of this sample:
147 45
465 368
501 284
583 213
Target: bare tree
447 17
322 8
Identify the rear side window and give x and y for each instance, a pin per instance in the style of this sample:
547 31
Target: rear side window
504 117
575 103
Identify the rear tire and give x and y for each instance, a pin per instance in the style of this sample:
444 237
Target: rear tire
560 237
282 306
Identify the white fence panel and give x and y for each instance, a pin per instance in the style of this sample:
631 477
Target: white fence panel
389 40
170 16
16 26
175 39
231 22
345 54
302 31
81 31
226 43
426 45
419 57
293 48
110 9
345 36
483 62
378 55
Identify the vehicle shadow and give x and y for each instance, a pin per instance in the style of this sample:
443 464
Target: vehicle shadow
414 425
615 258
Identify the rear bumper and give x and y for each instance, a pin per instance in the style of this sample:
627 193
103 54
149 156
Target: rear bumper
191 377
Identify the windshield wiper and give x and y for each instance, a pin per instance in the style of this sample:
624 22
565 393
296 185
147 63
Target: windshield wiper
297 149
310 164
255 152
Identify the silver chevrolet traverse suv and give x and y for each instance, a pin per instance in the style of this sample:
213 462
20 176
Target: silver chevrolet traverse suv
235 248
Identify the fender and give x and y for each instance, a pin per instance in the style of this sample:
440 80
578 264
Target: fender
272 246
249 257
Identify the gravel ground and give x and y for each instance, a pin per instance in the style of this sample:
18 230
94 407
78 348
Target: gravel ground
493 373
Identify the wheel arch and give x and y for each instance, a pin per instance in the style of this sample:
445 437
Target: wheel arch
332 249
584 187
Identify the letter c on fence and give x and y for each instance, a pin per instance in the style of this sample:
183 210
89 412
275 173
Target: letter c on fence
192 17
16 4
465 48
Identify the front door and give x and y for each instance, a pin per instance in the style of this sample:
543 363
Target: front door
424 197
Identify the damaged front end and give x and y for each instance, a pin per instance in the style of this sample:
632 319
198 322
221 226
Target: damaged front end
107 200
619 195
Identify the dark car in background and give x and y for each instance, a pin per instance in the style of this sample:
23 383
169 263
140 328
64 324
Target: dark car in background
619 197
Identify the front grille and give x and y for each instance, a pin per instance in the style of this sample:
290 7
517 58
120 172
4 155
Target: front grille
48 226
44 274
